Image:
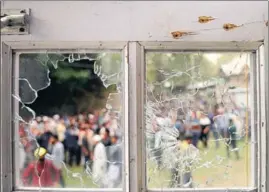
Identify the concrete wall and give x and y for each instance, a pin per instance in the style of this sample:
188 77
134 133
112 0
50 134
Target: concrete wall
139 20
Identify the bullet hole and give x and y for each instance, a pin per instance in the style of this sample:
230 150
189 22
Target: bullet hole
226 27
230 26
175 35
205 19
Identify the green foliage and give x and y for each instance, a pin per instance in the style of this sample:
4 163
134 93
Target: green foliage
74 85
179 68
65 74
110 63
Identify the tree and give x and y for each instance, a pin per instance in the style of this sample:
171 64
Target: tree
68 83
181 69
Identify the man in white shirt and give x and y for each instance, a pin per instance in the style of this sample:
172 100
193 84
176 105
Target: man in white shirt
99 161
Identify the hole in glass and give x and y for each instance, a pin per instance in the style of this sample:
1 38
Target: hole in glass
68 114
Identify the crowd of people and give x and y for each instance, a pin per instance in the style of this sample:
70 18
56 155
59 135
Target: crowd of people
92 140
188 130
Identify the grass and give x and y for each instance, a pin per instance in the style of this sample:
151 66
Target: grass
228 173
74 181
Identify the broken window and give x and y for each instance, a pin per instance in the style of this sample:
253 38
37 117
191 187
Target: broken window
68 120
198 120
200 131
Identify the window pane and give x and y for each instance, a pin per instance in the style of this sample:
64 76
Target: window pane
68 117
198 120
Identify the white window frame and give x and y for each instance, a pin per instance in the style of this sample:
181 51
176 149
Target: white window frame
134 58
10 64
254 47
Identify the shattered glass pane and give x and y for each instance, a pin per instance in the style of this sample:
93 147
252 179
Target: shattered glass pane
198 120
68 116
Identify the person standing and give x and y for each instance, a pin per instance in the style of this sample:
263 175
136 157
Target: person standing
71 141
189 158
105 135
60 129
184 158
58 156
179 125
232 141
195 128
99 161
41 173
114 173
43 139
205 127
86 149
213 129
222 125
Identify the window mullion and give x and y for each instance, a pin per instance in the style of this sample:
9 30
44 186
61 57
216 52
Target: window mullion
136 82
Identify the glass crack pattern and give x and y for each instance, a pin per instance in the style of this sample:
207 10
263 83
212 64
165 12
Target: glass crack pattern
68 118
198 120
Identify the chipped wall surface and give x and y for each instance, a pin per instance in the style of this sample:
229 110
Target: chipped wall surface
139 20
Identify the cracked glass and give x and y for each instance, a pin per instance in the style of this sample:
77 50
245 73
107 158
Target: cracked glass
197 115
68 118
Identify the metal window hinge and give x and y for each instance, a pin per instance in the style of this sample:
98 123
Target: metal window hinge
15 21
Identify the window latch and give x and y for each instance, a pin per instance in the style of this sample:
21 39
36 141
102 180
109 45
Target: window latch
15 22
